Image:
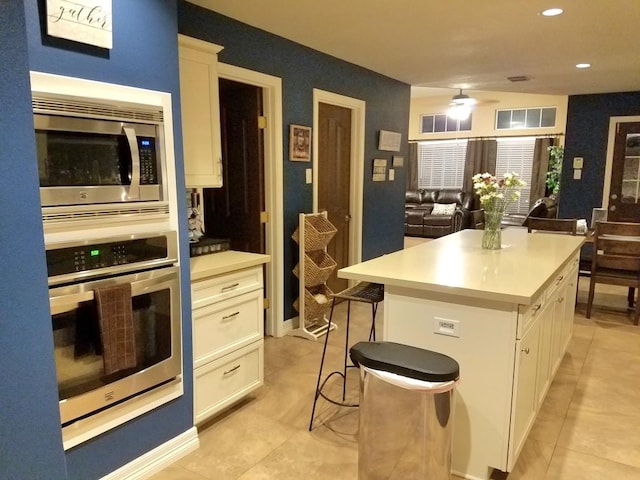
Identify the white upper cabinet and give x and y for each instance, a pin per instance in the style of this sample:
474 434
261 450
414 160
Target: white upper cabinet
200 105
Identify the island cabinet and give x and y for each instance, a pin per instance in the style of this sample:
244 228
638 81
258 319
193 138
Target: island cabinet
506 316
200 109
228 328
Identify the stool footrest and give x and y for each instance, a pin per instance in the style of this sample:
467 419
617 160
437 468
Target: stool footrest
320 393
363 292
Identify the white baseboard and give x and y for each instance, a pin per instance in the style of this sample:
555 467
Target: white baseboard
157 459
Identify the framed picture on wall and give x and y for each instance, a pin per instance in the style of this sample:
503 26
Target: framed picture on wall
299 143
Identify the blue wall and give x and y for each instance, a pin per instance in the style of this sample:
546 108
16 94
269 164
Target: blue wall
301 70
587 136
144 55
29 415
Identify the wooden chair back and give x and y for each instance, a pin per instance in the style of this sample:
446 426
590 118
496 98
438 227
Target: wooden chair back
563 225
616 259
477 219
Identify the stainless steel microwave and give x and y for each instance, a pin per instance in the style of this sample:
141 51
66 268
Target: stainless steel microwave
98 152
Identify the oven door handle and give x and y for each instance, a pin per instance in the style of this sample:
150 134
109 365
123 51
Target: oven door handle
68 303
144 283
134 187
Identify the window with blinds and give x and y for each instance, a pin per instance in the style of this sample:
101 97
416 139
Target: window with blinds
516 155
441 163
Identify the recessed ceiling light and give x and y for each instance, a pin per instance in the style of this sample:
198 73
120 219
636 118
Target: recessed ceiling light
552 12
583 65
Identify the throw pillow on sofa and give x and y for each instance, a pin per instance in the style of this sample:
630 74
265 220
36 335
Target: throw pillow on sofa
443 209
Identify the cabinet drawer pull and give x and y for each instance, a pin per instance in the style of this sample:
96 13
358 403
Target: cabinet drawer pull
526 350
560 278
228 372
229 287
228 317
560 300
535 308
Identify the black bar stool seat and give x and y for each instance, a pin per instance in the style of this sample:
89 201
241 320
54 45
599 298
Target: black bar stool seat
364 292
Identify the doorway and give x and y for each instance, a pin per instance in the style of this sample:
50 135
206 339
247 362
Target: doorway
621 195
234 210
271 88
338 146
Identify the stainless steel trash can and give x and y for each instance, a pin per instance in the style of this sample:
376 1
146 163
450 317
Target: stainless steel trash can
406 397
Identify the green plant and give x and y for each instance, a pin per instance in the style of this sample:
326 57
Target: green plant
556 155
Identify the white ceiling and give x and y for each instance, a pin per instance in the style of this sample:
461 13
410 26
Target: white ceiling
470 44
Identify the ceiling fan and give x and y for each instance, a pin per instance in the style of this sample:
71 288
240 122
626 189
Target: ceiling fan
460 106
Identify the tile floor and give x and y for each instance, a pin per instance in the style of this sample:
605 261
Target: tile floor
588 427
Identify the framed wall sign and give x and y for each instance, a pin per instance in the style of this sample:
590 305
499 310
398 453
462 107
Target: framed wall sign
389 141
379 170
84 21
299 143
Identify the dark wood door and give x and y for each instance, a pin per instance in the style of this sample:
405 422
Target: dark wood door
334 180
233 211
624 191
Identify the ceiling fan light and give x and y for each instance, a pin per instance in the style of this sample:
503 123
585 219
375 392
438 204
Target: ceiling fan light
552 12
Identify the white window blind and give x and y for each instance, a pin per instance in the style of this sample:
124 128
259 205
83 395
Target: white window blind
441 163
516 155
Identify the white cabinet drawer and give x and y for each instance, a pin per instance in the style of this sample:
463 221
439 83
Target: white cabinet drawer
222 327
219 288
220 383
528 313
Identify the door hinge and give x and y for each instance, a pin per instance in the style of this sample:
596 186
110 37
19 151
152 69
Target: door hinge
262 122
264 217
265 303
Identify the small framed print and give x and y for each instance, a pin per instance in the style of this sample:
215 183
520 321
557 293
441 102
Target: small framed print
299 143
379 170
389 141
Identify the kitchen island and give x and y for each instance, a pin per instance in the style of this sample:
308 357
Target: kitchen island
505 315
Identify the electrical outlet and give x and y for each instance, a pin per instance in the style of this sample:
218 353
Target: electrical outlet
446 326
309 175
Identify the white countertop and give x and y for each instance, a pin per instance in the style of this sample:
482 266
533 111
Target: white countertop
224 262
457 264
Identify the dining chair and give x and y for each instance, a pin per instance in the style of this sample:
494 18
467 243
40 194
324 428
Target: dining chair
562 225
477 219
616 260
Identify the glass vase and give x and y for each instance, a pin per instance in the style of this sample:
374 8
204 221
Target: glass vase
491 237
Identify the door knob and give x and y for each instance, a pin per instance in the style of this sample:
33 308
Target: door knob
614 196
347 218
612 208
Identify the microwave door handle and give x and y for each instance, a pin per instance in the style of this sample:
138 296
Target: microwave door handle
134 188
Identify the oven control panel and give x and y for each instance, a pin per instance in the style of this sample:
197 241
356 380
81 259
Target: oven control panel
132 253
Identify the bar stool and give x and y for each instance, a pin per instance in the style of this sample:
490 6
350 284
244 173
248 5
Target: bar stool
364 292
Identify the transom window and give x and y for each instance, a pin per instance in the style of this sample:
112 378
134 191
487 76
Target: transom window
526 118
439 123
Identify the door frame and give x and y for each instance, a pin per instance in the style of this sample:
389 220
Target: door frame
273 158
613 121
358 110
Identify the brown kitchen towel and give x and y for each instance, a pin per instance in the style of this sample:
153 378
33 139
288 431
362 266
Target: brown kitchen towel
115 316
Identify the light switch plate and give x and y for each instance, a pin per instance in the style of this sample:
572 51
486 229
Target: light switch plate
309 175
577 174
392 174
578 162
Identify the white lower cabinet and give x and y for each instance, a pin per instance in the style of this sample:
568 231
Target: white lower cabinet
228 343
221 383
526 398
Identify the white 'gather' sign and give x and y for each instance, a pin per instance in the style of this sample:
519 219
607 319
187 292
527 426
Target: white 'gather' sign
85 21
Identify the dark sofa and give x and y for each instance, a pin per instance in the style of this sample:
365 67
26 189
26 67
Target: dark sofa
544 207
419 204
